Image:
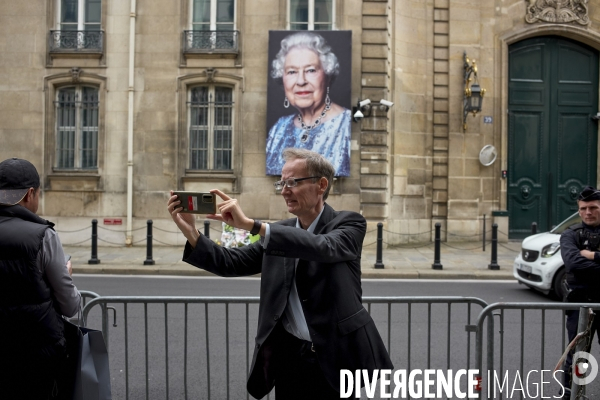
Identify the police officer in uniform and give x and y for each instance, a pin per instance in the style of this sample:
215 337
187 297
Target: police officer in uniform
579 247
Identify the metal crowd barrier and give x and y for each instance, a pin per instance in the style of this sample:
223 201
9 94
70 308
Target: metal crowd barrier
201 347
507 345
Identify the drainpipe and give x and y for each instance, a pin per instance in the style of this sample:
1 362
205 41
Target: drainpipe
130 116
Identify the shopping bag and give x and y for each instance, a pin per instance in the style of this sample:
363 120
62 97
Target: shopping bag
87 363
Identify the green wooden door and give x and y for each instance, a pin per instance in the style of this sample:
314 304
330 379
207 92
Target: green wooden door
552 139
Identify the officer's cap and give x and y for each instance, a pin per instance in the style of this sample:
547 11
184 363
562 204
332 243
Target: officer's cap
588 194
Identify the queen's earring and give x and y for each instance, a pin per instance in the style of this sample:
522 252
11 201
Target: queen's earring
286 102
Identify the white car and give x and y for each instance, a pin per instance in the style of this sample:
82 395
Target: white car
540 265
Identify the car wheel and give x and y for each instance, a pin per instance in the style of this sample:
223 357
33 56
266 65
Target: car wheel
557 283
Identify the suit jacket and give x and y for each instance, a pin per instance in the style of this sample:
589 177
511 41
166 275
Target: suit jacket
329 287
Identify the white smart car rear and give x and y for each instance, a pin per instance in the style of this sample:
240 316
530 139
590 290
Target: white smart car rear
540 265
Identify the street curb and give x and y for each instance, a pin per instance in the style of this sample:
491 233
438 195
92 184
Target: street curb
367 273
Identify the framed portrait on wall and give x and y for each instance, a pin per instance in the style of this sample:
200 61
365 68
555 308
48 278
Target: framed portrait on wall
308 96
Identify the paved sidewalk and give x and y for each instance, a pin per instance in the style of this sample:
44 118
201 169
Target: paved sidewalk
459 261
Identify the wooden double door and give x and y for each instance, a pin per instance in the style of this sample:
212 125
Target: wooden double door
552 133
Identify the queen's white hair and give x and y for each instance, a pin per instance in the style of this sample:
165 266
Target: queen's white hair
306 40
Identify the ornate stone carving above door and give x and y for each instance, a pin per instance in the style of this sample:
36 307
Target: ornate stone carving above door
557 11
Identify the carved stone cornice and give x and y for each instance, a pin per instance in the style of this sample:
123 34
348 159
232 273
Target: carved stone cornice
557 11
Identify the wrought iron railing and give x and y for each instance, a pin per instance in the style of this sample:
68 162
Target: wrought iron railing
75 41
210 41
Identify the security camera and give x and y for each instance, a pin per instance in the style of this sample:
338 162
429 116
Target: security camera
365 102
358 116
386 103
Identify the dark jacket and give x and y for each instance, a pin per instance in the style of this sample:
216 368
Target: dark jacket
31 327
329 287
583 275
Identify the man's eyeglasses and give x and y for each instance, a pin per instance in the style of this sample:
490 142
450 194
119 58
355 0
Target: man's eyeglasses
291 182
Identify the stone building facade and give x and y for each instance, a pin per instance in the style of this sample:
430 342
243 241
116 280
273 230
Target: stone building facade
122 82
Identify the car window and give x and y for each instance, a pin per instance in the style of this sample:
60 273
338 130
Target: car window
572 220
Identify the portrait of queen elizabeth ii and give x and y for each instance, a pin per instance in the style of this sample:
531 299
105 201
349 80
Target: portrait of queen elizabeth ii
306 68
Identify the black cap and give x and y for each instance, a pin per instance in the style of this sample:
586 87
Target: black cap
16 177
588 194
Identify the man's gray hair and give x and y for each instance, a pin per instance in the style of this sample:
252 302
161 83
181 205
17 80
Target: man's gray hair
316 164
311 41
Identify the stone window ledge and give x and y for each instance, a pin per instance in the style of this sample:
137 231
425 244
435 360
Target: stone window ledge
195 181
74 182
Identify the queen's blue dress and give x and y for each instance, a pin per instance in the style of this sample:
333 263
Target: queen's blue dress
331 139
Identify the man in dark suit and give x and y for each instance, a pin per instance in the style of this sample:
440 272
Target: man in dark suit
311 321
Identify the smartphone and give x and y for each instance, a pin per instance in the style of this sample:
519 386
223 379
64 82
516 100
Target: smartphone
67 258
197 202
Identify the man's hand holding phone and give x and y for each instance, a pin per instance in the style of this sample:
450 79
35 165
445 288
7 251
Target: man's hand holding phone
68 263
185 222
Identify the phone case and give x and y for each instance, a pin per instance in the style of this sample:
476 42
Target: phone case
197 203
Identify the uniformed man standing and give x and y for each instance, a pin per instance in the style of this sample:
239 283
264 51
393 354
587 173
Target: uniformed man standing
579 249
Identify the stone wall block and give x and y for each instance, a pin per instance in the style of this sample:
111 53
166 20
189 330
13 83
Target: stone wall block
375 51
440 131
373 196
439 210
441 66
374 124
440 92
441 15
374 22
441 79
440 196
441 3
374 139
440 144
373 181
370 36
374 8
375 80
440 170
376 65
440 183
440 105
440 118
375 94
441 53
374 167
374 211
373 153
440 27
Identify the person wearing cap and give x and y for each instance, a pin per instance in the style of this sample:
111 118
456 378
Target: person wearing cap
36 290
581 255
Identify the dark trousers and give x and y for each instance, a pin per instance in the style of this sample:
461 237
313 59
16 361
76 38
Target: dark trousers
299 375
571 324
31 378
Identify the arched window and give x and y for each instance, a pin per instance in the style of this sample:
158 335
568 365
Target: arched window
76 128
210 128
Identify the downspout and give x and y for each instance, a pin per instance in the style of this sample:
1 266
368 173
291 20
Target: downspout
130 116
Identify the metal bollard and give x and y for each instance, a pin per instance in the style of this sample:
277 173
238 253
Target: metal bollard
436 258
149 260
207 229
379 261
484 232
533 228
494 262
94 259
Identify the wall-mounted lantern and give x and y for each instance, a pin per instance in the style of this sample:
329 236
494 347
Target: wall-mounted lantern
473 93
